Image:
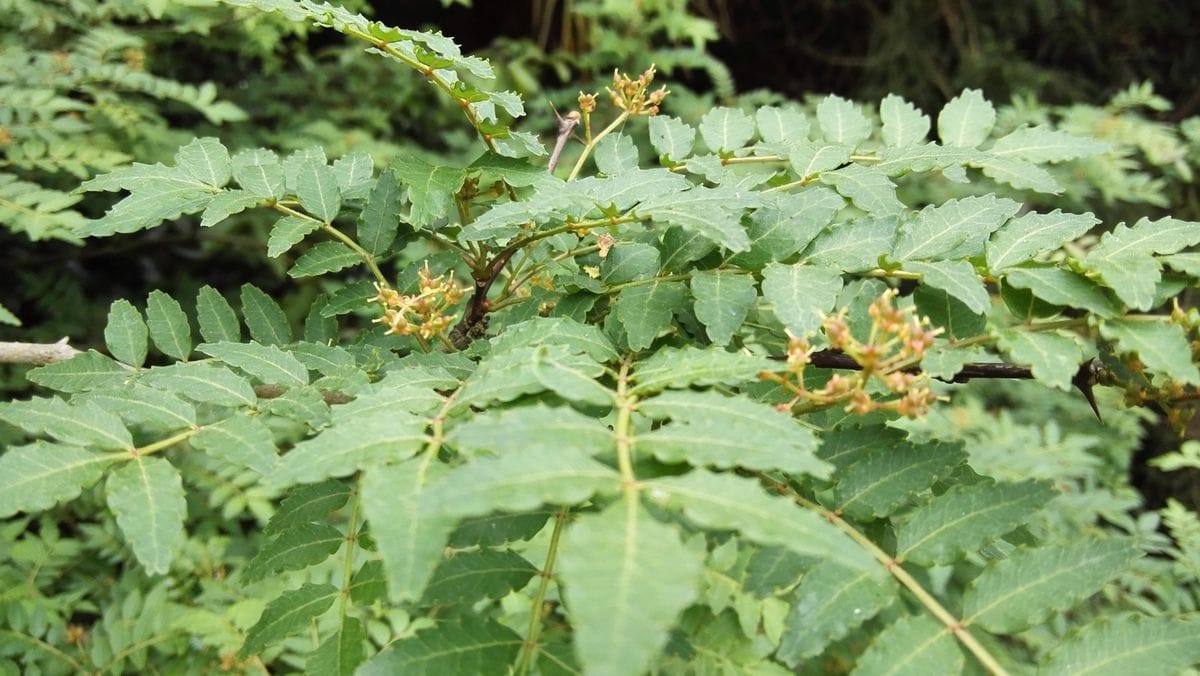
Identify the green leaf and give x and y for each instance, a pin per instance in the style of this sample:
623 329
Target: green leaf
288 232
83 424
713 212
207 161
965 518
630 187
227 203
316 187
265 319
1186 263
783 228
216 317
726 129
470 577
869 189
723 300
344 448
1060 286
323 258
143 406
780 125
903 123
7 317
146 496
629 262
809 158
1022 590
1054 357
268 363
1032 234
239 440
800 294
169 326
410 540
616 155
727 502
956 229
887 478
1161 346
831 601
571 377
125 333
308 503
626 578
948 312
340 653
532 427
1042 144
854 246
86 371
353 173
470 645
957 278
389 394
966 120
258 171
431 187
672 367
35 477
842 121
147 207
294 548
712 429
287 615
914 644
368 584
517 482
925 157
1123 259
671 137
1019 174
1127 644
380 217
645 311
204 383
573 335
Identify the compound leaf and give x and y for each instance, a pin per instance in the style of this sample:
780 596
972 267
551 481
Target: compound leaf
146 496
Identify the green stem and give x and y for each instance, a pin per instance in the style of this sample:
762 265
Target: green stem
165 443
626 402
366 257
529 650
348 564
591 144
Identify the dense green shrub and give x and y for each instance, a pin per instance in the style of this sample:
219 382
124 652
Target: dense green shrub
704 400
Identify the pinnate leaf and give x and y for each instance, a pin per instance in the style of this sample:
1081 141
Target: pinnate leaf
379 221
240 440
169 326
966 120
287 615
143 406
1042 144
965 518
342 449
903 123
125 333
288 232
914 644
207 161
671 137
37 476
781 124
216 317
726 129
943 229
1161 346
887 478
626 578
722 301
317 189
471 645
868 187
646 310
473 576
809 158
268 363
146 496
323 258
265 319
728 502
800 294
830 601
294 548
204 383
672 367
341 652
1053 356
258 172
842 121
957 278
86 371
1020 591
83 424
430 187
1060 286
1025 237
1127 644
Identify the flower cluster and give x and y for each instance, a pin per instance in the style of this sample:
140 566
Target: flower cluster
426 314
896 344
630 95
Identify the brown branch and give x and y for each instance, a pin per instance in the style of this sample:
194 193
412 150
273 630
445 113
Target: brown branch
37 354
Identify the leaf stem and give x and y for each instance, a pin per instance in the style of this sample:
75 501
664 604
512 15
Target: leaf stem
366 257
625 405
591 144
348 564
163 444
529 650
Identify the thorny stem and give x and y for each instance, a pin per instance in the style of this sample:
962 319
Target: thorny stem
591 143
893 566
529 650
